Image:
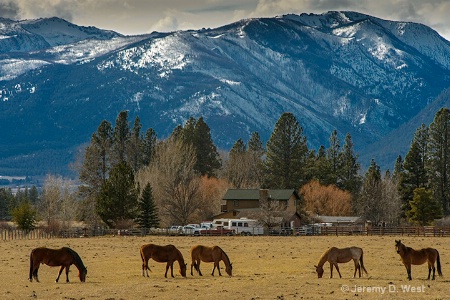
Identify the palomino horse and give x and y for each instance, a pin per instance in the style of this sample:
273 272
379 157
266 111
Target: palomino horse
410 257
210 254
168 254
63 257
335 256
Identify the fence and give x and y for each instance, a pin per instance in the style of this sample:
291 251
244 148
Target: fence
430 231
400 230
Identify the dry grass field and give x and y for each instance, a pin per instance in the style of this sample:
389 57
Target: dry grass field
263 268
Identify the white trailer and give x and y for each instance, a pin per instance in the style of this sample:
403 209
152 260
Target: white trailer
242 226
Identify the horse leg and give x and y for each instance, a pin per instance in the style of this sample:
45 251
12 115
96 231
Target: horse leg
408 270
331 270
198 268
171 270
145 267
59 274
218 269
67 273
337 269
356 268
434 271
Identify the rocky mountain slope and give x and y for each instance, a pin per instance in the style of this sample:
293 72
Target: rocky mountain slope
357 73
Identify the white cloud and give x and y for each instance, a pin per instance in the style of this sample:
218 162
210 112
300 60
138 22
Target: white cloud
141 16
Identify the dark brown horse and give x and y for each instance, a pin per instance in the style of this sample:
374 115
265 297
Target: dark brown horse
63 257
335 256
410 257
210 254
168 254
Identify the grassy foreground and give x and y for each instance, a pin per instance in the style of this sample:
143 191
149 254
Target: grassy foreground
263 268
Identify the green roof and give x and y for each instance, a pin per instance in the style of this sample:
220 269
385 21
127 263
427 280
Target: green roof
253 194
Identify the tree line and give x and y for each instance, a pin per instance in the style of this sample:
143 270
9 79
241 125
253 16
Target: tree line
129 177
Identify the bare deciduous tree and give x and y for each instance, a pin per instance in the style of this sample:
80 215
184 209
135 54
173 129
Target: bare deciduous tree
175 182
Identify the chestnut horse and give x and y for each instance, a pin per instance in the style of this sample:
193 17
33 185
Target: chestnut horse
210 254
335 256
63 257
168 254
410 257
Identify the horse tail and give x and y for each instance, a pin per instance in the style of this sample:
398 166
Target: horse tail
438 262
362 263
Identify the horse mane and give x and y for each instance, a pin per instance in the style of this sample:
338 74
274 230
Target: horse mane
77 259
324 258
224 253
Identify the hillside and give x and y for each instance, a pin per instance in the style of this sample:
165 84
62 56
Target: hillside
339 70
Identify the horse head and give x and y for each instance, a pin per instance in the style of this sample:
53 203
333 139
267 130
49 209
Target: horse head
319 271
398 246
183 268
229 269
82 274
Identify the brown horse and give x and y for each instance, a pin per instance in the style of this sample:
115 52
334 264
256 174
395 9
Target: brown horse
168 254
210 254
410 257
63 257
335 256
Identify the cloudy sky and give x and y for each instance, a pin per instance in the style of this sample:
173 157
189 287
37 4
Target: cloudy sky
144 16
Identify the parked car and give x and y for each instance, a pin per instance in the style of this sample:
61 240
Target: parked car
176 230
188 230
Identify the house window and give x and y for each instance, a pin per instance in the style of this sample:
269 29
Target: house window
236 202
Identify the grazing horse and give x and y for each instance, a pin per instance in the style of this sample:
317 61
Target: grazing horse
168 254
210 254
63 257
335 256
410 257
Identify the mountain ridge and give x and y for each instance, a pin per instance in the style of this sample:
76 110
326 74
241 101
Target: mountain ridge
339 70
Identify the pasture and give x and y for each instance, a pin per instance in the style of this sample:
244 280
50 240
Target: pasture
268 267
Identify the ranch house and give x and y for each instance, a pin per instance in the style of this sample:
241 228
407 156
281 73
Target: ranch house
238 203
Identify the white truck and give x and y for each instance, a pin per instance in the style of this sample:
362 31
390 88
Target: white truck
242 226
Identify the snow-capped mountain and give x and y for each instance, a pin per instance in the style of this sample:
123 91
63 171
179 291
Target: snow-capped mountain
357 73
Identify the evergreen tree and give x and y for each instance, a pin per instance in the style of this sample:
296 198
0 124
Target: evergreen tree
135 146
287 153
256 152
121 138
208 160
370 204
333 158
398 169
147 215
25 216
414 174
6 202
349 179
439 158
150 142
423 208
117 201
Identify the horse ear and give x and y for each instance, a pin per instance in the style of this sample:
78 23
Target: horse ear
315 266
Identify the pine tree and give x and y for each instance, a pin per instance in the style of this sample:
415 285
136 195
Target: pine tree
121 138
369 204
117 201
349 179
150 142
439 158
135 146
147 215
414 173
423 208
333 158
208 160
287 153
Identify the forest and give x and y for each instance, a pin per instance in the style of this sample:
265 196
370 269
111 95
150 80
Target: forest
128 177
